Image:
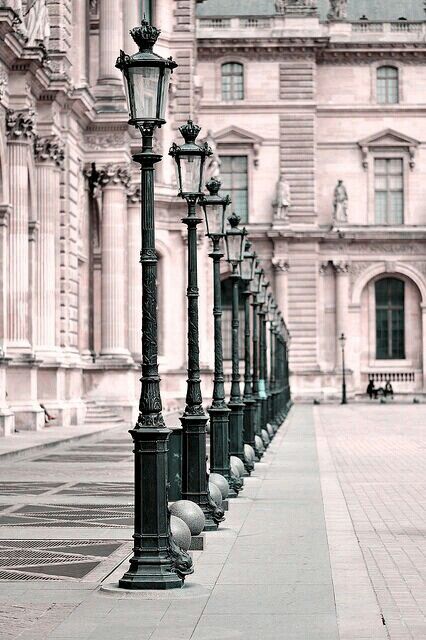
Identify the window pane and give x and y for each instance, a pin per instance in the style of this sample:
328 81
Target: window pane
390 333
232 81
389 191
234 177
387 85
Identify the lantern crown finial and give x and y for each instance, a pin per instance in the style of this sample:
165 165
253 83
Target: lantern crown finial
248 245
234 220
213 186
190 131
145 36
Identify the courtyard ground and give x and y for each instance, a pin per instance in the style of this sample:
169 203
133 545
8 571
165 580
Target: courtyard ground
327 540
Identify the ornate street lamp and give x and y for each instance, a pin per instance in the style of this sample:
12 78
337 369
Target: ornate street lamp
157 562
272 374
248 274
342 341
262 297
255 290
214 206
234 239
190 159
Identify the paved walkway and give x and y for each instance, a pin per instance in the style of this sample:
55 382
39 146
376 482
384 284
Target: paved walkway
278 568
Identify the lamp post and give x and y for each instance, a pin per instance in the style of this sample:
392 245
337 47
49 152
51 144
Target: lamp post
272 371
248 268
190 159
214 206
157 562
264 284
234 239
342 341
255 289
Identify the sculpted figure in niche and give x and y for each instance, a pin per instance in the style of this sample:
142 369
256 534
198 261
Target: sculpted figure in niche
213 162
338 10
282 198
38 25
340 203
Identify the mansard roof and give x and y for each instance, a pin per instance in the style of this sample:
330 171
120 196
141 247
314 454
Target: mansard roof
380 10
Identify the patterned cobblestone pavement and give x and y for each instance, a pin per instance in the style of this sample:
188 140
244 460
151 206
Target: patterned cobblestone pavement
378 454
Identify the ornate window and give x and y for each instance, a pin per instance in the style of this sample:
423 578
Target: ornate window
234 177
390 334
226 287
389 190
387 88
232 81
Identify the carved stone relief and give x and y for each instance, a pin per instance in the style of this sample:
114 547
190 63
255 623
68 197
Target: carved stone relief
280 265
49 149
20 124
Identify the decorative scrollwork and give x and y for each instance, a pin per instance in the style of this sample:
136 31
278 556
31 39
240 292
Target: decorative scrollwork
49 149
20 124
114 174
236 483
182 563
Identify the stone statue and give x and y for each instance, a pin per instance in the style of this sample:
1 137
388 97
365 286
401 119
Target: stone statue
338 10
38 25
213 162
282 199
280 6
340 203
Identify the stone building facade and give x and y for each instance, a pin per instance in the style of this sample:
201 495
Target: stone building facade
313 93
294 95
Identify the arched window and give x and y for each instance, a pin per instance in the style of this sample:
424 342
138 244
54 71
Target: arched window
390 333
232 81
226 287
387 85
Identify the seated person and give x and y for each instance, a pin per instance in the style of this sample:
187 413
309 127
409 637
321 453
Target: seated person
371 389
388 388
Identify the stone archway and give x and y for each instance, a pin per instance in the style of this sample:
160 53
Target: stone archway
407 373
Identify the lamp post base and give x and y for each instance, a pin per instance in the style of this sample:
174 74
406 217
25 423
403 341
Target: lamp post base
149 580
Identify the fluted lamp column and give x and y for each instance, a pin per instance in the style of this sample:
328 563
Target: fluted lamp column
262 348
157 562
190 158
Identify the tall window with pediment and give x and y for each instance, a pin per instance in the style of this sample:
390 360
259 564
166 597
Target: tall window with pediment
387 85
389 191
232 81
234 178
390 332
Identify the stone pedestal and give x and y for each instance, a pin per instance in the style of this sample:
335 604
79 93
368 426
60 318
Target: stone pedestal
7 418
21 388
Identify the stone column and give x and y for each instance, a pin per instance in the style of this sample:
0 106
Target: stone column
49 155
134 305
80 20
19 126
4 266
131 18
281 267
114 180
110 40
423 308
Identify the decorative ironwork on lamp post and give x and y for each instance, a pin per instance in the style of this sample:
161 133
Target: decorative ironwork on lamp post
157 562
234 238
190 159
214 206
342 341
248 269
272 371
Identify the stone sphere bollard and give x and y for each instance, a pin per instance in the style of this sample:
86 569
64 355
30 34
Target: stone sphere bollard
265 437
235 471
215 494
221 482
249 453
239 464
259 443
180 532
270 430
191 514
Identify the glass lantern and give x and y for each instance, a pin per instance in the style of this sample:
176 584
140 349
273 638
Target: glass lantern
234 239
190 159
214 207
248 265
147 77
